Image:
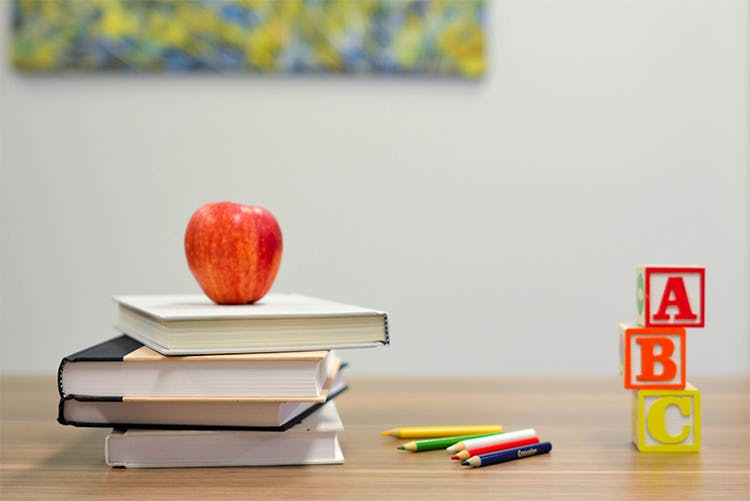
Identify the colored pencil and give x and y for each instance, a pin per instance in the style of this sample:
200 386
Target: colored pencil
467 453
492 439
508 455
441 431
432 444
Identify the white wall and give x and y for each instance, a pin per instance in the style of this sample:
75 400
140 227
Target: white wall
498 222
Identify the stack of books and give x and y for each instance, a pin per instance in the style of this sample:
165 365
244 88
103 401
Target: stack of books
193 383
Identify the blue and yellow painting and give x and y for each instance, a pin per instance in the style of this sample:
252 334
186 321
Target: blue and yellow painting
413 37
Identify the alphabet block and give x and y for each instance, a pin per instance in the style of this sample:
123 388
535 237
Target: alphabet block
667 420
654 357
621 360
671 296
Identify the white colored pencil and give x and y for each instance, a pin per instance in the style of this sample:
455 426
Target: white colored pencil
500 438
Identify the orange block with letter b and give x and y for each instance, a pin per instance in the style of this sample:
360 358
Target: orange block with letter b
654 357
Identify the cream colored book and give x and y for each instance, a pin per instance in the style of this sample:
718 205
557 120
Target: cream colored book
313 441
193 324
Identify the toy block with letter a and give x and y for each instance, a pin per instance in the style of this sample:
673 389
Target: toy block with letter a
654 357
671 296
667 420
621 359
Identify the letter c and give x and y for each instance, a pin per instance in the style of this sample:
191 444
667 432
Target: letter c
656 419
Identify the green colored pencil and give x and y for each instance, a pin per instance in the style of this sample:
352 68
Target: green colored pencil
437 443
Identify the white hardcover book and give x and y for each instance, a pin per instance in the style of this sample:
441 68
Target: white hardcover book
313 441
193 324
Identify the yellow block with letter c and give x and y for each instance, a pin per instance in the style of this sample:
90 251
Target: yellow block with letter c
667 420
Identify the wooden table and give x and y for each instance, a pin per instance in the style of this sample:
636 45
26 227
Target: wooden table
587 420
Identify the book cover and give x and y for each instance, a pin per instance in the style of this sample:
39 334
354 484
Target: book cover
124 366
193 324
312 441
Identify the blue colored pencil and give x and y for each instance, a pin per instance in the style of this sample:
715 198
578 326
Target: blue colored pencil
508 455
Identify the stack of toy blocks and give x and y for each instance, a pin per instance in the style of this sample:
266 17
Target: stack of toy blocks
666 407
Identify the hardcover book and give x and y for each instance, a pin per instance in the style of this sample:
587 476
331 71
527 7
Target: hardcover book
127 412
193 324
123 366
313 441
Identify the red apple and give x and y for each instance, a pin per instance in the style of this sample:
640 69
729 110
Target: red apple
233 251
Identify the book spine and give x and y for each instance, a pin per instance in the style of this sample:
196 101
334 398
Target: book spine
387 332
61 412
60 377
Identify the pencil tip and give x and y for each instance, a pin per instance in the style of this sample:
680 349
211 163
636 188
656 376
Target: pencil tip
401 447
465 463
455 456
386 433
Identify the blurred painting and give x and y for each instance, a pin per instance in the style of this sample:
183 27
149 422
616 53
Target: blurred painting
411 37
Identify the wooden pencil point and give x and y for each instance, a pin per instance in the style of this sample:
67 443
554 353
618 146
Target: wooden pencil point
410 446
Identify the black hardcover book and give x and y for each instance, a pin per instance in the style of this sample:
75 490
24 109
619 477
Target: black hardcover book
119 413
121 383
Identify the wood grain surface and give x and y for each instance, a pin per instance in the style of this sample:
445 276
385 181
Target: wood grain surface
587 421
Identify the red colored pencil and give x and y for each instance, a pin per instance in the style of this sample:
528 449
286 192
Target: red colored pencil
467 453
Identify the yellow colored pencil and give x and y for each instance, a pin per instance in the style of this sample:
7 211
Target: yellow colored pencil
441 431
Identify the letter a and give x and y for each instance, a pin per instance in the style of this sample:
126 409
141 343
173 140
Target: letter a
675 295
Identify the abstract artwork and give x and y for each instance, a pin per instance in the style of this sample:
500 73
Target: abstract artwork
410 37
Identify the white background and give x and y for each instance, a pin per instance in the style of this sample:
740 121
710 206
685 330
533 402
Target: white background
499 223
